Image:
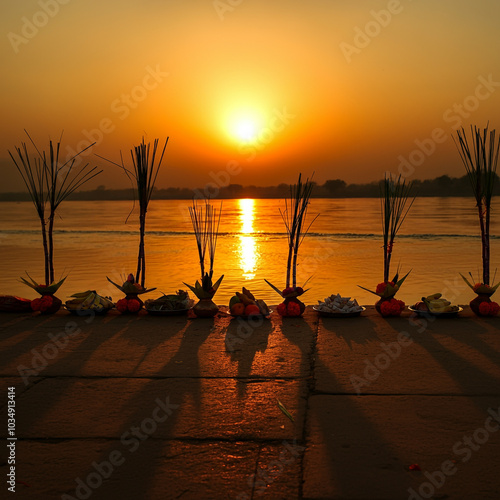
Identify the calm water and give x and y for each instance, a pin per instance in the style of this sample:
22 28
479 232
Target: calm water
438 240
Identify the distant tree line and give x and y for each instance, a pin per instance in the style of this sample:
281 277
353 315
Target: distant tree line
336 188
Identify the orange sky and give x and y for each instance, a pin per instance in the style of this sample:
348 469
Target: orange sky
349 89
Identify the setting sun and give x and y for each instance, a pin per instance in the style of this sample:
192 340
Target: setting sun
245 125
246 130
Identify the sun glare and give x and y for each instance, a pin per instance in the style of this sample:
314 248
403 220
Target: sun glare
246 130
248 245
244 126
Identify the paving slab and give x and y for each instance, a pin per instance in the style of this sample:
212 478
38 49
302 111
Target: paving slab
362 447
103 388
107 470
168 408
147 346
374 355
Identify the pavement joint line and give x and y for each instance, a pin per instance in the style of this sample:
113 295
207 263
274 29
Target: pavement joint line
311 389
255 470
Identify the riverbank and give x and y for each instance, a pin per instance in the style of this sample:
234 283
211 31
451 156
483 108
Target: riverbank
142 407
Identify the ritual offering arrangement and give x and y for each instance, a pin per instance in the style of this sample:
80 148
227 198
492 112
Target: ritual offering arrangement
131 303
435 305
480 161
337 306
394 197
294 218
49 180
244 305
81 302
206 221
170 305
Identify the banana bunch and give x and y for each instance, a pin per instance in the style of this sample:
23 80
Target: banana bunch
436 304
89 300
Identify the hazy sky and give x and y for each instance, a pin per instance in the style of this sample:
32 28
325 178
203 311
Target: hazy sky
262 89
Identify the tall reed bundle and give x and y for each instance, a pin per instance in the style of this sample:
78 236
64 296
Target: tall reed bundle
480 158
143 176
394 196
49 183
294 217
206 222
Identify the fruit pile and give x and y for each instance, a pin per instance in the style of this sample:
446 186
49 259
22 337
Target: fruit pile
245 304
11 303
178 301
435 304
89 300
338 304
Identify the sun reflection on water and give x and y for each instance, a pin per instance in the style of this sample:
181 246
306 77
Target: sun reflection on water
248 245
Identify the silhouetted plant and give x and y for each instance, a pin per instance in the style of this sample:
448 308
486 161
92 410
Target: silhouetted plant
49 184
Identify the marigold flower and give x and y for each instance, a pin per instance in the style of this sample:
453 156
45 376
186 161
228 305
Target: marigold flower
133 305
494 308
382 286
293 309
391 307
484 308
281 309
47 300
121 305
35 304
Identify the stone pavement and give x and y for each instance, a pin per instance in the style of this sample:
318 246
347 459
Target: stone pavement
143 407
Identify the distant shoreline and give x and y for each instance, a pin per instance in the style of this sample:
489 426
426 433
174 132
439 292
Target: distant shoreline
443 186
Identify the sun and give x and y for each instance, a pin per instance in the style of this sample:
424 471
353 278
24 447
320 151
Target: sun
246 129
244 126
